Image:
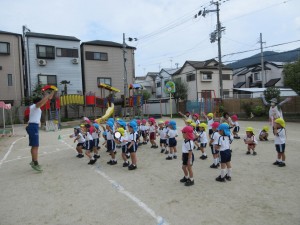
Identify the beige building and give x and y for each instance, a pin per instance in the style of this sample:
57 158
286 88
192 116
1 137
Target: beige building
11 68
103 62
202 78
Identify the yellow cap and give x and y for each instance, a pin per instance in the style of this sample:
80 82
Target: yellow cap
250 129
189 121
161 122
210 115
82 125
266 128
203 125
193 124
280 121
121 130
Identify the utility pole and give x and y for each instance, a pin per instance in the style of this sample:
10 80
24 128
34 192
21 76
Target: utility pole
125 75
262 61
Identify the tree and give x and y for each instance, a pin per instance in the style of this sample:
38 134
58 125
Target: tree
291 73
181 91
272 92
146 95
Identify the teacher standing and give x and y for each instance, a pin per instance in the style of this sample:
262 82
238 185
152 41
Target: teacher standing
33 128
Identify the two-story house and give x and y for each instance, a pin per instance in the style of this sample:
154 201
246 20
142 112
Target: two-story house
11 68
202 78
103 62
251 76
148 82
52 59
163 77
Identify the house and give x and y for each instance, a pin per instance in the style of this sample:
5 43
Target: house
52 59
11 68
202 78
103 62
163 77
148 82
251 76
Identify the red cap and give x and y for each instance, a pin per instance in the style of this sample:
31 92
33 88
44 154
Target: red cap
215 124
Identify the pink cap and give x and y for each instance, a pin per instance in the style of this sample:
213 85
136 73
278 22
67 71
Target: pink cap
196 115
234 117
215 124
188 130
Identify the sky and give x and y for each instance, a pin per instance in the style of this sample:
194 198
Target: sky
168 33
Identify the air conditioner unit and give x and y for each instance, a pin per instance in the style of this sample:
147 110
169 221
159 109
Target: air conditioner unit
75 61
42 62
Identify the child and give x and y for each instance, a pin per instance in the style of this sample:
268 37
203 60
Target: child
250 140
172 134
214 138
279 140
203 140
152 132
132 144
187 156
95 135
196 120
110 143
162 132
226 119
263 134
89 144
236 127
188 122
210 120
144 131
139 132
223 146
80 139
166 130
123 141
196 136
186 116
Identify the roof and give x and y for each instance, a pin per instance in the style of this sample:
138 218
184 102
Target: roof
52 36
153 75
10 33
170 71
140 78
106 43
252 90
239 84
272 82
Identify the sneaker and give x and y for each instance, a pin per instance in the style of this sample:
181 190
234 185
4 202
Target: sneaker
92 161
189 182
113 162
80 156
36 167
218 165
162 151
198 148
254 153
214 166
220 179
248 153
183 180
203 157
125 164
109 162
132 167
144 143
228 178
155 146
166 152
152 146
281 164
174 156
276 163
169 158
96 156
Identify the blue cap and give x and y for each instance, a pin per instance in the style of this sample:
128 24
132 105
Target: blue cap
96 125
173 124
224 127
133 124
110 124
111 120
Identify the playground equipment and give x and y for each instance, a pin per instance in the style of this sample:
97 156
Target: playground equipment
135 100
170 89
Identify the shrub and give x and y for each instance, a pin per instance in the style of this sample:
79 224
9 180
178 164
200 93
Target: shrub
258 110
247 107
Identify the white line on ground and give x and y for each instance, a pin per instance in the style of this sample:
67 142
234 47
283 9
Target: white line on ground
121 189
9 150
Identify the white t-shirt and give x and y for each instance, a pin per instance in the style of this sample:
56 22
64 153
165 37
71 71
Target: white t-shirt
124 140
280 137
235 123
109 135
88 136
252 138
203 137
95 134
172 133
162 133
224 143
187 146
132 137
143 127
209 123
35 114
151 128
81 139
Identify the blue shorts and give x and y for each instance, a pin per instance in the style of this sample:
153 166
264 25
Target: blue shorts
111 145
172 142
89 145
203 145
225 156
185 158
213 151
80 144
124 149
280 148
236 129
33 133
163 141
133 148
96 142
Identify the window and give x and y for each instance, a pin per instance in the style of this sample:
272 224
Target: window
158 84
4 48
226 93
47 79
190 77
67 52
226 77
206 76
45 52
101 56
9 80
257 77
104 80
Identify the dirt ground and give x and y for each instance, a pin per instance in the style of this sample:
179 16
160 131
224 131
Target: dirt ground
71 192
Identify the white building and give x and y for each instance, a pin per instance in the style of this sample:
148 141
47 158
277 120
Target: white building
163 77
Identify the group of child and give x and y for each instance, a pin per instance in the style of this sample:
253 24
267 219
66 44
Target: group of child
138 132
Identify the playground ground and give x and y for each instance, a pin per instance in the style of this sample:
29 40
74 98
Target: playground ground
71 192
